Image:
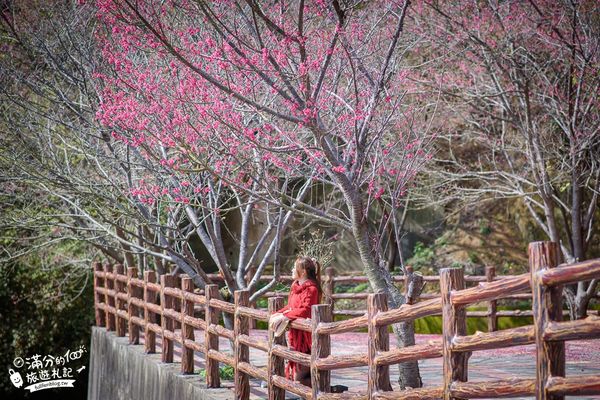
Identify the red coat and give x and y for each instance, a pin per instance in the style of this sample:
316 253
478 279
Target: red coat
300 301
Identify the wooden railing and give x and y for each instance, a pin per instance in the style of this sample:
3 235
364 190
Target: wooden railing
330 281
127 303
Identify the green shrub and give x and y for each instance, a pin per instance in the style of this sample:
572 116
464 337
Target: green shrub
473 257
349 288
423 256
226 372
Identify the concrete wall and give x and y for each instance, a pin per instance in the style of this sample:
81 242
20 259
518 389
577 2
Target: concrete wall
120 371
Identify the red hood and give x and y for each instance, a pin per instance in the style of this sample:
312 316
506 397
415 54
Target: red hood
297 287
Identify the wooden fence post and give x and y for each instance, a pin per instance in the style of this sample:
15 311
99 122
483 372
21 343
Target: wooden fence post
321 348
166 303
177 303
547 307
454 323
149 316
98 297
329 287
109 298
379 340
187 331
121 304
132 309
275 365
490 274
211 341
413 285
241 351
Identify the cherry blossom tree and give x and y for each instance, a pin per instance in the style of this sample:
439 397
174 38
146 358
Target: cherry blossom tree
271 99
72 176
520 87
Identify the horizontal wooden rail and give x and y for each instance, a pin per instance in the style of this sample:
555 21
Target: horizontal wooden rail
221 357
136 282
408 312
301 324
433 349
154 328
340 362
343 396
291 386
254 343
222 306
138 321
195 322
255 372
587 328
494 340
288 354
434 393
491 290
220 330
574 385
253 313
191 344
349 325
581 271
511 387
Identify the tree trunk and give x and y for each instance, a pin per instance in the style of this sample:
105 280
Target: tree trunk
410 376
578 302
413 286
381 281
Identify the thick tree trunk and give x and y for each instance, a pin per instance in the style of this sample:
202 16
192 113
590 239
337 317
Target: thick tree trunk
413 287
410 376
381 281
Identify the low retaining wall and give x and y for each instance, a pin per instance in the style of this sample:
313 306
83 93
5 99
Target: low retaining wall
120 371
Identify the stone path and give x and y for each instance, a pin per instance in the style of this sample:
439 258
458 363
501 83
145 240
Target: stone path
583 357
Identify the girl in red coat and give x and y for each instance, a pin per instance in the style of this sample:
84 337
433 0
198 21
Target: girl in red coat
304 293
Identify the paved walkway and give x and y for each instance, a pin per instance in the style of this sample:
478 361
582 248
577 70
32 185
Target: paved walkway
583 357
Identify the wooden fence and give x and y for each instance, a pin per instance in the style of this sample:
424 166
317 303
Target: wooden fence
330 281
126 304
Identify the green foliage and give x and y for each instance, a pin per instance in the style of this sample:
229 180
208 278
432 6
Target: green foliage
433 325
360 288
50 311
441 241
473 257
226 372
484 227
511 268
423 256
46 293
